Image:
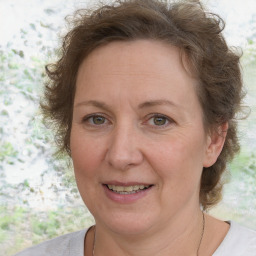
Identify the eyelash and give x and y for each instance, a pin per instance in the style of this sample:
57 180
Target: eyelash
167 119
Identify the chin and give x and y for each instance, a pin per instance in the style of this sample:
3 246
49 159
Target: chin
127 223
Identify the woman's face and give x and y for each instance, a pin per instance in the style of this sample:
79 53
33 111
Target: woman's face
137 141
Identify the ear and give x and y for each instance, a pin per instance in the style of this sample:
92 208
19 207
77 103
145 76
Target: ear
215 143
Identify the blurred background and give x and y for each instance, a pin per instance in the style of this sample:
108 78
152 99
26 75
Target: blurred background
38 196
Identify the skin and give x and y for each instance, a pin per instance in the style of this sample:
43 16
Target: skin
147 128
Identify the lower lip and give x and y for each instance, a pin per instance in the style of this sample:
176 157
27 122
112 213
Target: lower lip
126 198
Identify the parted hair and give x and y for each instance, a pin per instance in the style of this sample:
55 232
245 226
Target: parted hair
185 24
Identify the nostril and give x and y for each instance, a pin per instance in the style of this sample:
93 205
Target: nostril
123 158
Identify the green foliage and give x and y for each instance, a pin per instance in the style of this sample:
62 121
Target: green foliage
7 151
22 228
240 195
11 219
249 171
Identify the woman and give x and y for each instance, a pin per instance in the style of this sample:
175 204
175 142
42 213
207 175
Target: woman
144 99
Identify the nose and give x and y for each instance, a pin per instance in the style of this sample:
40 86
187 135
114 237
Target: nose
124 148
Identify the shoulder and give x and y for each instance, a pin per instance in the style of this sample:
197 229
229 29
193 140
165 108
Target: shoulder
66 245
238 241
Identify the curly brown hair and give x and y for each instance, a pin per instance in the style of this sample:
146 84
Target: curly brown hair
185 24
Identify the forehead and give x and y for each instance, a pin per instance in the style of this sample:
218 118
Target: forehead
139 57
141 68
155 52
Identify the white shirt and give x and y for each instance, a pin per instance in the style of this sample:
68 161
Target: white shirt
239 241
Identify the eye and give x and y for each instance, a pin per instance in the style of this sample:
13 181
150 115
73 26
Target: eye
95 120
98 120
158 120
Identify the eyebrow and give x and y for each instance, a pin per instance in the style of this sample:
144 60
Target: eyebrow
95 103
146 104
152 103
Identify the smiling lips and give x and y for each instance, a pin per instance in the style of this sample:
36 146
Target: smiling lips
126 193
124 190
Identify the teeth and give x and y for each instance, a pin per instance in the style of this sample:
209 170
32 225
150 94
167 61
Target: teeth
124 189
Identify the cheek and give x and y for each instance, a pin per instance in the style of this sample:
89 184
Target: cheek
86 157
179 158
85 154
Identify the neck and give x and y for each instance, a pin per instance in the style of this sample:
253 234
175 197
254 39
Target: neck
178 237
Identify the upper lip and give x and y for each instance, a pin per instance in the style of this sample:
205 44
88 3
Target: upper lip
126 184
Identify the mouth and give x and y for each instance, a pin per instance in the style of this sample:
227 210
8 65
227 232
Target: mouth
127 190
